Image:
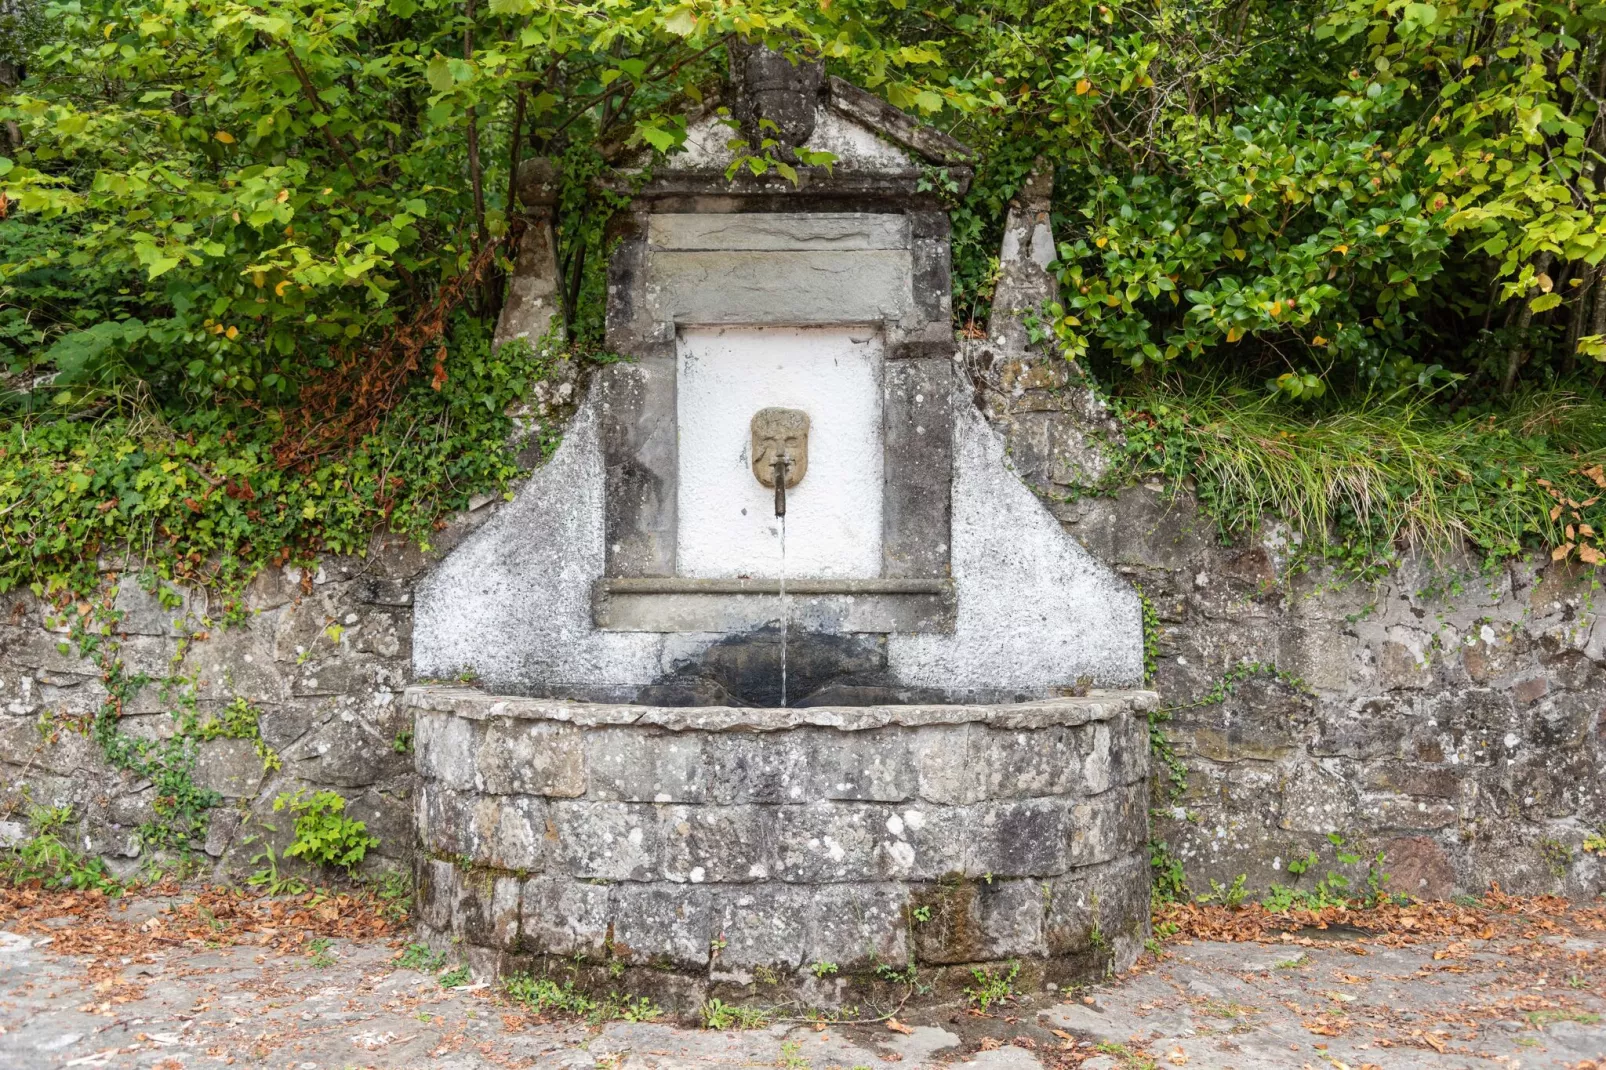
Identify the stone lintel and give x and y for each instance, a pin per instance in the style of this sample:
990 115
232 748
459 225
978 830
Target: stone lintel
680 604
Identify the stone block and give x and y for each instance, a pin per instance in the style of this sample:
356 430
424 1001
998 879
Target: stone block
663 924
1027 837
917 841
511 832
765 925
779 287
976 920
444 747
857 926
632 765
531 758
565 917
1405 812
1101 910
1419 867
1109 825
1370 728
843 231
875 766
609 841
766 767
945 765
344 752
1098 763
1129 748
718 843
824 842
1026 764
230 767
437 891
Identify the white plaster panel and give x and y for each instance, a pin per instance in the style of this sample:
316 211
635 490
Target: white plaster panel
837 231
727 526
779 286
1034 609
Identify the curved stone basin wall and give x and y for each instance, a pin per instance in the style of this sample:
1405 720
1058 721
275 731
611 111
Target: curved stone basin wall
690 852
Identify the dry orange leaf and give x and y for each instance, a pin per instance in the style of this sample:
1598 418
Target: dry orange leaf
898 1027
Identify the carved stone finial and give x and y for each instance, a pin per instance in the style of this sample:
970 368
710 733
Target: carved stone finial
769 85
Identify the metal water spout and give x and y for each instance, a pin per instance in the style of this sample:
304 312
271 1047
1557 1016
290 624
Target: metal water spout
779 467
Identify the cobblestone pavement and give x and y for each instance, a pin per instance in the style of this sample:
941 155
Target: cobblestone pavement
1284 1004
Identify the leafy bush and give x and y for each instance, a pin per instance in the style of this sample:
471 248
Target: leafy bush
325 836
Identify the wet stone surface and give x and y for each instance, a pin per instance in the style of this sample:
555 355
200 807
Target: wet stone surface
1225 1006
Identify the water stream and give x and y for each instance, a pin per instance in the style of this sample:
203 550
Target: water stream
786 610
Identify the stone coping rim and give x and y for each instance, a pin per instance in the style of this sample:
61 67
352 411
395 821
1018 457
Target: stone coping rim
468 703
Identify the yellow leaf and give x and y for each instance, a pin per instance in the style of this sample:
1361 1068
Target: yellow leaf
1318 341
278 291
1275 309
1247 198
232 333
1233 334
225 137
259 279
1082 87
284 195
1101 242
1342 249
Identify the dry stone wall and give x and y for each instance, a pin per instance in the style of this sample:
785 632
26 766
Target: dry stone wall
1448 717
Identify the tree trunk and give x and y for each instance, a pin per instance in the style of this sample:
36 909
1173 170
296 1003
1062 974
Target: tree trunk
9 77
1518 353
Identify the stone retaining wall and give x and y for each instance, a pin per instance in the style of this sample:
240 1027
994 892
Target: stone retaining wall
719 851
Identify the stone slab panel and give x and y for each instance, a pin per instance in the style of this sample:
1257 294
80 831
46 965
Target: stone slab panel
609 841
742 231
562 916
753 288
663 924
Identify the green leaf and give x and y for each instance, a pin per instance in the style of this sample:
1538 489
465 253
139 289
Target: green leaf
5 165
928 101
439 74
681 22
1545 302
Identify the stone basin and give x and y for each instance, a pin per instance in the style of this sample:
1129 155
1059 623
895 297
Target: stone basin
782 854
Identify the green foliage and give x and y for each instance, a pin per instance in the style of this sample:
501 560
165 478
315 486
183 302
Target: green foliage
268 880
455 977
543 996
200 494
992 987
48 857
822 970
1230 896
325 836
420 957
255 190
1167 882
717 1014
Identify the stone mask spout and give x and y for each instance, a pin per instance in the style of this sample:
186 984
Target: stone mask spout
780 450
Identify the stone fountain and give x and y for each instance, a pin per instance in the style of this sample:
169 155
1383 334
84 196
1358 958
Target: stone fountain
784 680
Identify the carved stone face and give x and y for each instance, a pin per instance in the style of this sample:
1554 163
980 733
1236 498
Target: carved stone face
780 433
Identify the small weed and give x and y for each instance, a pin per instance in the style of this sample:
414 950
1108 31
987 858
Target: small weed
1595 843
453 978
905 976
269 880
1130 1060
1558 857
403 743
792 1056
318 950
394 889
992 987
1231 897
1540 1019
921 914
1288 964
823 970
420 957
717 1014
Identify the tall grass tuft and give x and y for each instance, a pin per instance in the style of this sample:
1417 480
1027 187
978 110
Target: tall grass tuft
1359 486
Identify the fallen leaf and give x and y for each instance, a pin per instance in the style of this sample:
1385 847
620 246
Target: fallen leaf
898 1027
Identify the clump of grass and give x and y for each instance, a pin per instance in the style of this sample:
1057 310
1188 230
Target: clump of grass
1360 485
